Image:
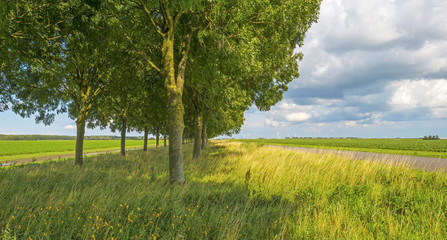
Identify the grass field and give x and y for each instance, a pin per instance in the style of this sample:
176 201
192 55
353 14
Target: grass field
237 191
11 150
412 147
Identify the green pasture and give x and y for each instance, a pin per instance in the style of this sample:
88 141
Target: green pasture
412 147
236 191
10 150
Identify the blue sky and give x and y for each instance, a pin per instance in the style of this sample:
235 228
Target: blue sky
370 69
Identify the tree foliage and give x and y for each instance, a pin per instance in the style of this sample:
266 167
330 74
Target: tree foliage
144 64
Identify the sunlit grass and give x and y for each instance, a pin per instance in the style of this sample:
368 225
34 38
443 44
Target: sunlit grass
237 191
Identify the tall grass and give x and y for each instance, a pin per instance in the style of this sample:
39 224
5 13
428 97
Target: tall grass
237 191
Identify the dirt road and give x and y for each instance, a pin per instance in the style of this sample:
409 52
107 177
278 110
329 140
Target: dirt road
423 163
53 157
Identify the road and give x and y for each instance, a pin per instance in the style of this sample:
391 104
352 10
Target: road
422 163
53 157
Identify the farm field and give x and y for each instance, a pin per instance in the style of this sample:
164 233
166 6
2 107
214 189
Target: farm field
234 192
412 147
11 150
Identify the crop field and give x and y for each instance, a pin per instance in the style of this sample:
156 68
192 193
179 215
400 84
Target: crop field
236 191
412 147
10 150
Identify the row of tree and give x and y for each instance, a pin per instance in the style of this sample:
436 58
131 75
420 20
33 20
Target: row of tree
430 137
150 65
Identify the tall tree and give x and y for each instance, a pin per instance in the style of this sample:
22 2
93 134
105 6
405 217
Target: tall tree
262 33
118 106
65 51
173 23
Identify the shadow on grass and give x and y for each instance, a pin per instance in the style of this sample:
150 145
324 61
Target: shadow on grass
108 182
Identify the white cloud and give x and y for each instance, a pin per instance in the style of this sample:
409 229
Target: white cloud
410 94
70 127
350 123
298 117
273 123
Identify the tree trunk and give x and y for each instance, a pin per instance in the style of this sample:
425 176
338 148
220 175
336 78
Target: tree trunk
164 140
157 137
174 88
176 126
198 120
145 139
80 131
204 137
123 136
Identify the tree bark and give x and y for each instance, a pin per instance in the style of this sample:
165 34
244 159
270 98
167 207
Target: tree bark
164 140
198 120
204 137
123 136
174 88
157 138
145 139
80 131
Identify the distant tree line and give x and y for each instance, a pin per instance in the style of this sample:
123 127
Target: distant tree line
62 137
35 137
430 137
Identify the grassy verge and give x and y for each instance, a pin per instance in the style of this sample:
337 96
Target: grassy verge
417 147
12 150
237 191
51 154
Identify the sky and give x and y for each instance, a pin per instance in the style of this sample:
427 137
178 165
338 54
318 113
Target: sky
370 69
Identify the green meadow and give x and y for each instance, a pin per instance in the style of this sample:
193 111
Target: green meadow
11 150
236 191
412 147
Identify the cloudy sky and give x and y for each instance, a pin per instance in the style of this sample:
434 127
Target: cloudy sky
370 69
